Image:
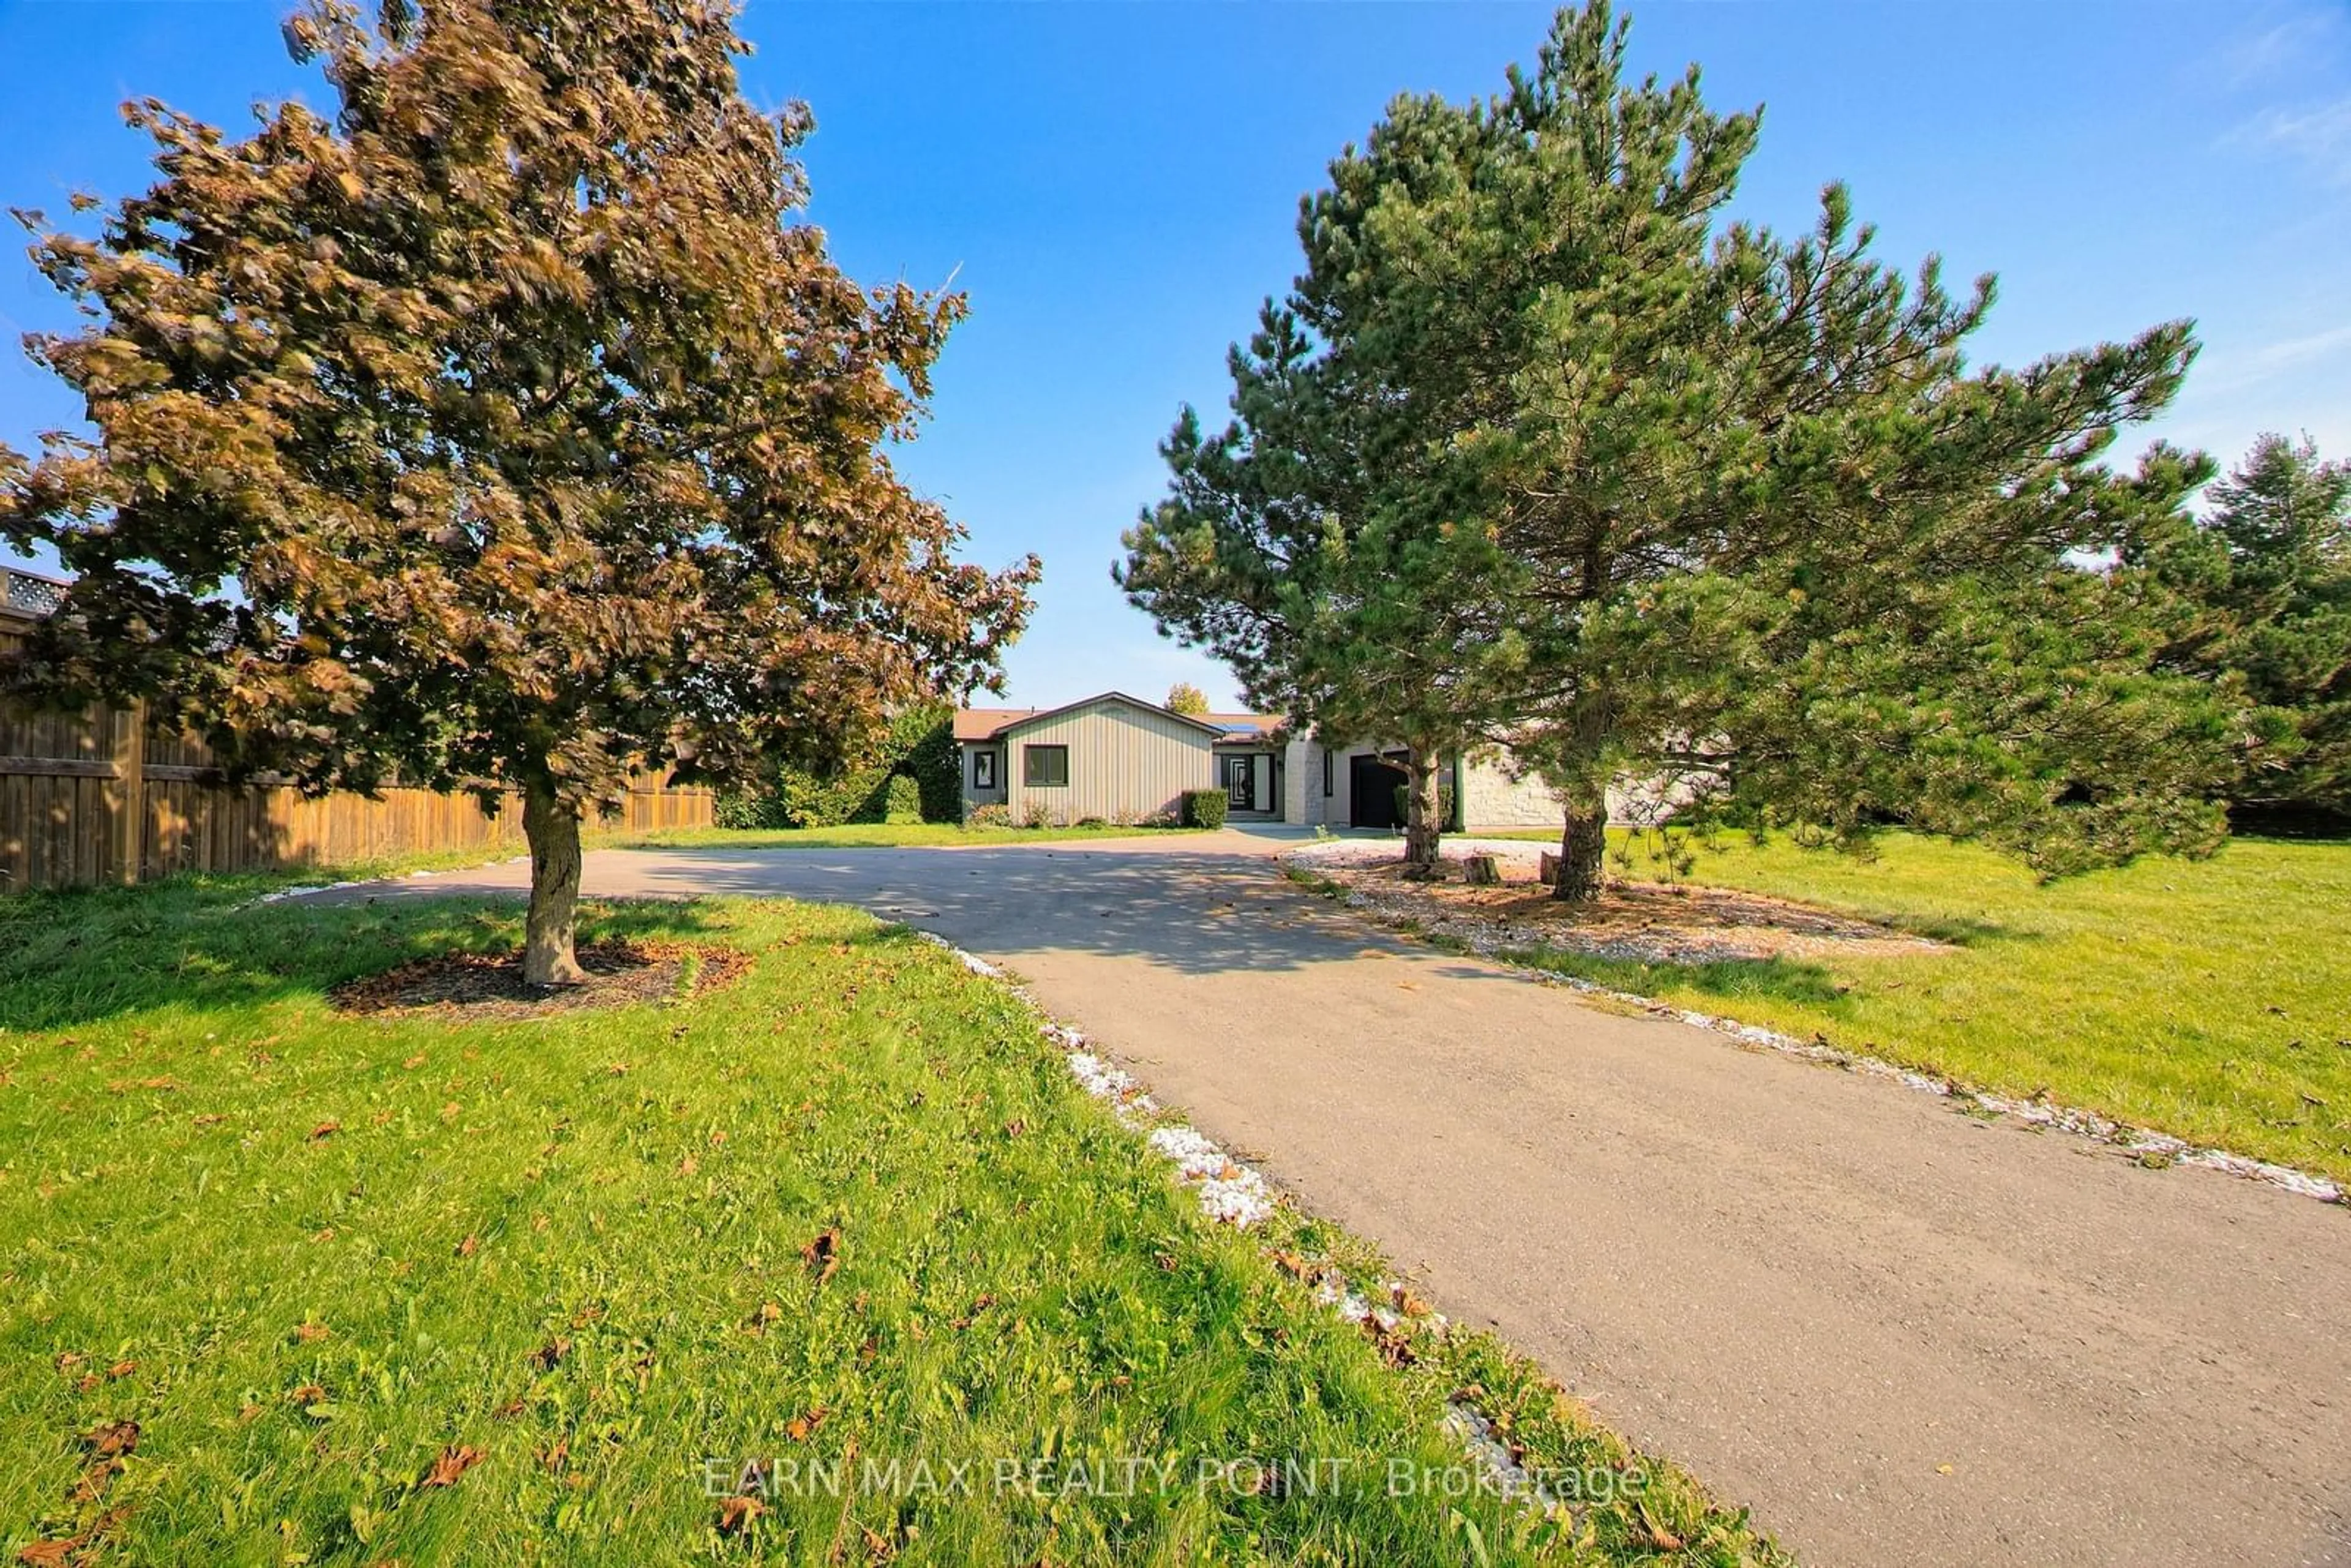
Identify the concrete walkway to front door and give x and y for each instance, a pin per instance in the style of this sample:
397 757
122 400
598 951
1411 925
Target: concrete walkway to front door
1902 1335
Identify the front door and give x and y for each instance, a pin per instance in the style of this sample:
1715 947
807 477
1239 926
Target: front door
1374 788
1239 794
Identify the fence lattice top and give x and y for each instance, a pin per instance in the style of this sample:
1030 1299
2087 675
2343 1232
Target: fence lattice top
27 593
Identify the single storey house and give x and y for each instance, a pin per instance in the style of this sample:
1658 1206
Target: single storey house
1122 759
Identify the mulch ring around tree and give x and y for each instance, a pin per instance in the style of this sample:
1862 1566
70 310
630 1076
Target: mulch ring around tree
1647 921
483 986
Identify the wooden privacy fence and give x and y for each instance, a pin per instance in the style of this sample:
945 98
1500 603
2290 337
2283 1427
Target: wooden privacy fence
103 797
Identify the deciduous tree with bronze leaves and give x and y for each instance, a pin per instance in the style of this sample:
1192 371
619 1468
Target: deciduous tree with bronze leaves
507 429
1543 449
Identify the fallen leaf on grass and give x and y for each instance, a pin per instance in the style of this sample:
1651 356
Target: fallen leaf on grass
736 1514
93 1485
308 1393
553 1351
980 1304
1295 1265
311 1334
1408 1304
324 1130
468 1247
111 1437
823 1254
798 1428
210 1119
1660 1538
73 1548
454 1461
1394 1345
122 1369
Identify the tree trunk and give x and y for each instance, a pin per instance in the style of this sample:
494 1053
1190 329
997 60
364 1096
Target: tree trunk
1583 843
552 826
1423 814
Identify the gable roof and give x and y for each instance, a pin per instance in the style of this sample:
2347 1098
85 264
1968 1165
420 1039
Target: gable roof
979 723
974 723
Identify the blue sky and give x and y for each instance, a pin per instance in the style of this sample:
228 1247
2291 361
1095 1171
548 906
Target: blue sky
1116 186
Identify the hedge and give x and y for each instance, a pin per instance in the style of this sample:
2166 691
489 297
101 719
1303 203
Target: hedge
1205 808
912 771
903 800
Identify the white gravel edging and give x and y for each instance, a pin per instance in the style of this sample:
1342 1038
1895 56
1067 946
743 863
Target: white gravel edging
2139 1141
1231 1193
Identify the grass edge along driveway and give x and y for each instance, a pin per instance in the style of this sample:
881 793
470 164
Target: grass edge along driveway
279 1283
2210 1000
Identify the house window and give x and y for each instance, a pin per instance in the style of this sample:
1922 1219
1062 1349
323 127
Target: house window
1045 767
1326 771
983 771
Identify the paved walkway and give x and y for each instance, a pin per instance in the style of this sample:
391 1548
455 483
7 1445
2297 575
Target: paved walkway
1900 1335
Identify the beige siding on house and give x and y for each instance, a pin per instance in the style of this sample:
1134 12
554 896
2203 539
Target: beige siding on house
1126 763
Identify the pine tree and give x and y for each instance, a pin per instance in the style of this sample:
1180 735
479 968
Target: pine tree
1542 450
507 430
2263 584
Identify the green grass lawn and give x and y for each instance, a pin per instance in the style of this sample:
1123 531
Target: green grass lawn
863 835
416 1290
2210 1000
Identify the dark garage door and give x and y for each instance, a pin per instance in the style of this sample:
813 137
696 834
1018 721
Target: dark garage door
1372 785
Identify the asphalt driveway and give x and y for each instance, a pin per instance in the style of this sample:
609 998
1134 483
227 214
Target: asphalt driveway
1900 1335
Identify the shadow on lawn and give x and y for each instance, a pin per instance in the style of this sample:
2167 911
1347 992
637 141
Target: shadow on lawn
200 945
